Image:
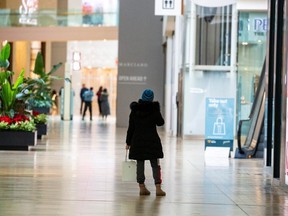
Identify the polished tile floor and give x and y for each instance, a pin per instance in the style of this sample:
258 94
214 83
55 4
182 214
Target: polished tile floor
76 171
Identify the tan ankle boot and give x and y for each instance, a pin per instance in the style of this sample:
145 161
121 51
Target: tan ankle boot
143 190
159 191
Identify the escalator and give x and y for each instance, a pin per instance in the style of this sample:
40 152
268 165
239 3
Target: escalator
250 135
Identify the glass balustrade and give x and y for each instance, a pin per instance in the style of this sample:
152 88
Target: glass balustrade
71 18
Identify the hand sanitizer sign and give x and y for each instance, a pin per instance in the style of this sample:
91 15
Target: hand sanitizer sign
219 122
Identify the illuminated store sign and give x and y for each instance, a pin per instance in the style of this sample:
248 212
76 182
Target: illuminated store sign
260 25
27 11
76 61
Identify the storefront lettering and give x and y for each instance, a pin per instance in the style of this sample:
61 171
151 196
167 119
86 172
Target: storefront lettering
260 25
125 78
27 9
133 64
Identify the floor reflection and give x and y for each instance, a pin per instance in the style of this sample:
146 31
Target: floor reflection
76 170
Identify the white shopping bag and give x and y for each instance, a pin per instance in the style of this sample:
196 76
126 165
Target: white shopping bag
128 170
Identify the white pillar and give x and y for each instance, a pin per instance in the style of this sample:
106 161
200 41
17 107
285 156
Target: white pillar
191 61
177 57
67 93
168 89
192 40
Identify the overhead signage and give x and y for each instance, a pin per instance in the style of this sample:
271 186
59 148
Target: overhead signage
168 7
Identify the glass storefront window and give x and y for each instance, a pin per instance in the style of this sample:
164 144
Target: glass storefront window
213 35
252 32
209 53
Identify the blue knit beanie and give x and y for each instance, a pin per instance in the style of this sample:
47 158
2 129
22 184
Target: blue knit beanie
147 95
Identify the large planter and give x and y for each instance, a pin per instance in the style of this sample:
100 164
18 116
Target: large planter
41 130
17 140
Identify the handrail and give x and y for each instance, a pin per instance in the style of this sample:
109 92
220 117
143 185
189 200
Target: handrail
261 82
253 117
56 17
239 135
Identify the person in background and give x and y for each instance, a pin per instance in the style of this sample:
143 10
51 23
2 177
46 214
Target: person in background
87 10
88 96
105 107
99 99
143 141
54 98
82 91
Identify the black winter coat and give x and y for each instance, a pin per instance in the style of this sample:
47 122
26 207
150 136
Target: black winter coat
142 136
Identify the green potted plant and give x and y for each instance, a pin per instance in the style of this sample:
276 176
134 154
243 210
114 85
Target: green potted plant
17 128
12 96
40 120
41 100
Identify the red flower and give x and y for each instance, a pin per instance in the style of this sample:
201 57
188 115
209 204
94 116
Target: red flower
17 118
6 119
35 113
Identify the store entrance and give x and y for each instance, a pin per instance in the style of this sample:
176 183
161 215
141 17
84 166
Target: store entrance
97 67
96 78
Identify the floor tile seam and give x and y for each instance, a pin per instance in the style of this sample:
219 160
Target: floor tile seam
200 203
265 205
209 177
202 171
242 209
216 185
225 194
254 205
153 198
156 199
52 200
194 166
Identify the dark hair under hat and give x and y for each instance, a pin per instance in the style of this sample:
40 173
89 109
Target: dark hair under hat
147 95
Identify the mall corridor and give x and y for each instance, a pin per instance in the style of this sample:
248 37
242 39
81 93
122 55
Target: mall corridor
76 171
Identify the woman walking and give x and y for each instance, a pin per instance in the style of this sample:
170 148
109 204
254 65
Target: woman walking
143 141
105 107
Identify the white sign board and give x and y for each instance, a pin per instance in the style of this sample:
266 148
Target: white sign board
168 7
217 156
